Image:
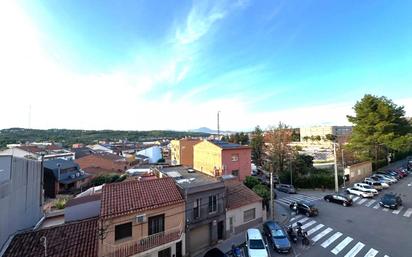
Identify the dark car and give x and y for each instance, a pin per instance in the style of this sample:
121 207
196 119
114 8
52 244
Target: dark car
215 252
290 189
277 237
391 201
304 207
340 199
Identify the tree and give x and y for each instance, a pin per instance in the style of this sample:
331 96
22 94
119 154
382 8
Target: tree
257 143
278 147
380 127
239 138
251 182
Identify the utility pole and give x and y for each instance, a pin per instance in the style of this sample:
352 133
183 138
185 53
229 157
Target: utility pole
336 169
218 125
272 209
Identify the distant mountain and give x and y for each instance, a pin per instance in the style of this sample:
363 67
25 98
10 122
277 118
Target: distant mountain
210 131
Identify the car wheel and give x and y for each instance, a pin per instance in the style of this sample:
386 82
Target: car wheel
307 214
344 204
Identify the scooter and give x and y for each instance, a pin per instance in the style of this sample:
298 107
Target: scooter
236 251
292 235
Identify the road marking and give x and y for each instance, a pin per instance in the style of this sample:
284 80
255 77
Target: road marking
408 213
386 256
322 234
308 224
301 221
331 239
370 203
313 230
355 250
372 252
362 201
342 245
296 217
398 210
377 206
385 209
355 199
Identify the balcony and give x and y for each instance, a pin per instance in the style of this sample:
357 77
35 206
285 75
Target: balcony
144 244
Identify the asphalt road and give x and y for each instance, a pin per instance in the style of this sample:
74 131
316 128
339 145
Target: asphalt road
364 229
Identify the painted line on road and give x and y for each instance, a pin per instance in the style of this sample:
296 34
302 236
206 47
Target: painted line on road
377 206
322 234
362 201
313 230
370 203
385 209
355 250
296 217
355 199
331 239
283 201
386 256
308 224
372 252
398 210
408 213
301 221
312 197
342 245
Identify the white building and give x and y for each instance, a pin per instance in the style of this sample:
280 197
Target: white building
154 153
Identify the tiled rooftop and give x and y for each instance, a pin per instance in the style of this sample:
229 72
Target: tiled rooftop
239 195
77 239
134 196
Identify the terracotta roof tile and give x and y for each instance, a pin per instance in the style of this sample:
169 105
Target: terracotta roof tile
77 239
239 195
133 196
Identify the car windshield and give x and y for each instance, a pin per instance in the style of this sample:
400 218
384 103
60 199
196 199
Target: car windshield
367 186
256 244
278 233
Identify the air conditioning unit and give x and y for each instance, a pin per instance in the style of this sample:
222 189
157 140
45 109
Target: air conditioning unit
140 218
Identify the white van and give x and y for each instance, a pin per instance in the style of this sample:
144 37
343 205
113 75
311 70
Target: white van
255 244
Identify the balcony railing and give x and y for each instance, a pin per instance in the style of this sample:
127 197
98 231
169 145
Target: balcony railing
143 244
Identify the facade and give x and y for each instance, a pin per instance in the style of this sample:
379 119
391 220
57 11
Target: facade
218 158
154 153
357 172
205 198
62 175
142 218
182 151
341 132
244 208
21 196
37 152
104 161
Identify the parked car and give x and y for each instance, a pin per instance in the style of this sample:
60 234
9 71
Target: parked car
365 188
390 180
374 184
277 237
377 180
215 252
357 192
340 199
290 189
389 173
391 201
255 245
304 207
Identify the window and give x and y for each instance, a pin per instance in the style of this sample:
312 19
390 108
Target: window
212 203
235 173
196 209
123 231
156 224
249 215
235 157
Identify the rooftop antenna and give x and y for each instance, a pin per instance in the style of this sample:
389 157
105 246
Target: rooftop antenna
218 125
43 240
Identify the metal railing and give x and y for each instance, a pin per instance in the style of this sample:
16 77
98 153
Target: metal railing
143 244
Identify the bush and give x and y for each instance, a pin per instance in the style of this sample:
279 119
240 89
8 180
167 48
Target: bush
262 191
251 182
107 178
60 203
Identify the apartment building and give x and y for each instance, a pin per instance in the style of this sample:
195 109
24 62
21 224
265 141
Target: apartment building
182 151
319 132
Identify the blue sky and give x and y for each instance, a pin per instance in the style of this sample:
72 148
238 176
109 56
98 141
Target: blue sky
259 62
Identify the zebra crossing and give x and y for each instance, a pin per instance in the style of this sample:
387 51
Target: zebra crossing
371 203
334 241
295 198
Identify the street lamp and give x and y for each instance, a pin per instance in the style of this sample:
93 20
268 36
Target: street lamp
336 168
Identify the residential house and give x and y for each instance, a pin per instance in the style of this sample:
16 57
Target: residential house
205 206
142 218
104 162
154 153
80 152
182 151
218 158
244 208
61 176
21 196
37 152
82 207
101 148
76 239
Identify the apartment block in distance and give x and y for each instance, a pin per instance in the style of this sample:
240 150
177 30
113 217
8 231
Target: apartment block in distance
341 132
218 158
142 218
182 151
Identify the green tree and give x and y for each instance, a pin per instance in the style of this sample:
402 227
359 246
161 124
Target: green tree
251 182
380 127
257 143
262 191
278 147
